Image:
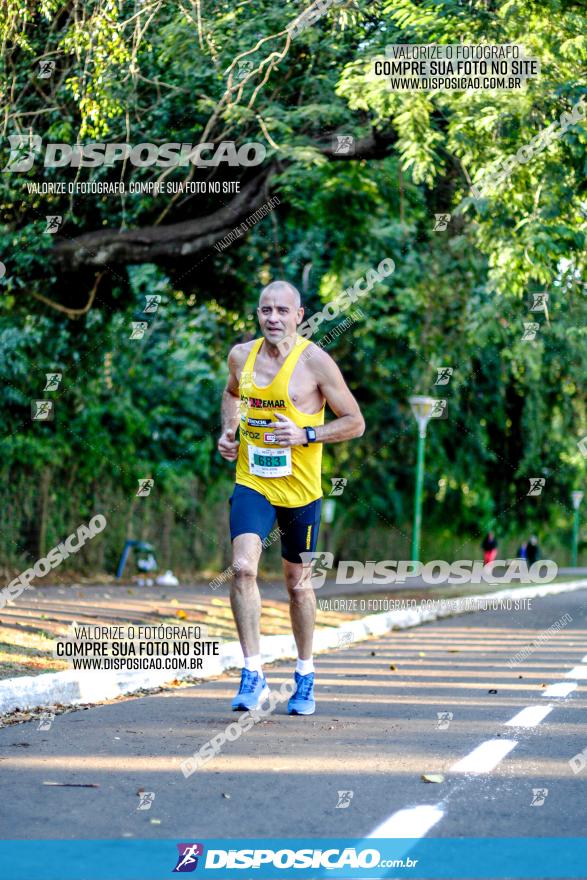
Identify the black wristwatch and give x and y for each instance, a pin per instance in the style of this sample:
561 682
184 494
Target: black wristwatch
310 435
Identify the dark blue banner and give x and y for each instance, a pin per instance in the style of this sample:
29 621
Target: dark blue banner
303 858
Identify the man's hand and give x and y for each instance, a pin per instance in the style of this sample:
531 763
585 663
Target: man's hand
227 445
287 433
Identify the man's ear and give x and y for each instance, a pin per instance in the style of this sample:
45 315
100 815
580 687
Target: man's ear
300 317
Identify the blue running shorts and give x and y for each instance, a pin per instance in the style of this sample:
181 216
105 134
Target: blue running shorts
251 512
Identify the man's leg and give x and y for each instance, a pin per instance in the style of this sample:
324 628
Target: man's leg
251 518
302 605
299 527
245 599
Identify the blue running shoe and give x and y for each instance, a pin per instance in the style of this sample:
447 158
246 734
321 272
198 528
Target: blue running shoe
252 692
303 702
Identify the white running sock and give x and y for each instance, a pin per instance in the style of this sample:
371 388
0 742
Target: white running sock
304 667
254 663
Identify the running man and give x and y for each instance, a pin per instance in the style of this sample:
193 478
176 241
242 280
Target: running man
275 395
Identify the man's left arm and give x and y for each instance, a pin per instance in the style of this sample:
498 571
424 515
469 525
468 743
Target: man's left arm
349 422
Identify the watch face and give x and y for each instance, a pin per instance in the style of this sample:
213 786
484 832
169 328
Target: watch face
311 434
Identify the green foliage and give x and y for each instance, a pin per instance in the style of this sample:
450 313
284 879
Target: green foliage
130 409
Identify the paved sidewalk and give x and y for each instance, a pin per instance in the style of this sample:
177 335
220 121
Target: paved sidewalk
376 731
28 627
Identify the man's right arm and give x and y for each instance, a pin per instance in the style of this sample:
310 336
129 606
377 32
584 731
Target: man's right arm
230 409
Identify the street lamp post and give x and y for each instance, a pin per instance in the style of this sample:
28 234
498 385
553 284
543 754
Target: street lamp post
577 498
422 409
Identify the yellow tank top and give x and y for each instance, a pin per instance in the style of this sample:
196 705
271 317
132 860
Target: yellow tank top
286 476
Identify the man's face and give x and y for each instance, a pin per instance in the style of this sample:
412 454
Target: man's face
279 315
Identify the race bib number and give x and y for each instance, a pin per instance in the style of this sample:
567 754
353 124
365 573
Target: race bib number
269 462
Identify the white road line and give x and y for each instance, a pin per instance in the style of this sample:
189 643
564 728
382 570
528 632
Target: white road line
410 822
577 672
529 717
413 822
485 757
560 689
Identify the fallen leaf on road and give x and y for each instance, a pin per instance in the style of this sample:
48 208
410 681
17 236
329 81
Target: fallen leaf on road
73 784
432 777
181 614
227 796
393 667
492 691
452 650
372 653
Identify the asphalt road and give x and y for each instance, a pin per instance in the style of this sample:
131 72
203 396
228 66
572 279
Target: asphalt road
375 732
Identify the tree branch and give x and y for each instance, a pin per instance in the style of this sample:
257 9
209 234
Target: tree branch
104 248
72 313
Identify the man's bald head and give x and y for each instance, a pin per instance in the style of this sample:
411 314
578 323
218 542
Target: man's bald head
281 287
279 312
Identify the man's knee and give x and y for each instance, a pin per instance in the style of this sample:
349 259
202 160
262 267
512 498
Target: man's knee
297 581
245 569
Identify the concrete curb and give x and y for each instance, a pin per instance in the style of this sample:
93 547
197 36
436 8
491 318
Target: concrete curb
70 688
